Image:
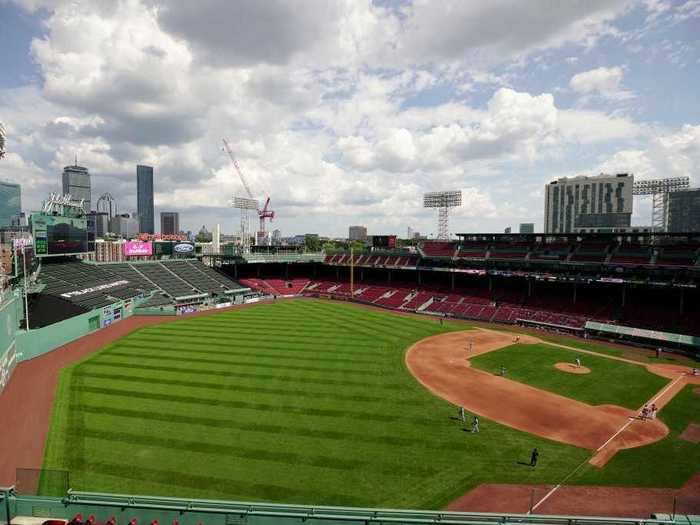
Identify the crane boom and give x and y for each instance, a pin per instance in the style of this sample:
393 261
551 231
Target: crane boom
238 168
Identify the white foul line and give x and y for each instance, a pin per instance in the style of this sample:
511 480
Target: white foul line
652 400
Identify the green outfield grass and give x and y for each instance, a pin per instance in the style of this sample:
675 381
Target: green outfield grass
297 401
666 463
610 382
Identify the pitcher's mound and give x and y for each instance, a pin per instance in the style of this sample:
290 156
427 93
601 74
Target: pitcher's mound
571 368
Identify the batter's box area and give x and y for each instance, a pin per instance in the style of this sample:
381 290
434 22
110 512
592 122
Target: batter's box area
691 433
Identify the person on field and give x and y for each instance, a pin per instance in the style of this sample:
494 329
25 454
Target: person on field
503 371
533 457
652 411
475 425
578 362
462 416
644 414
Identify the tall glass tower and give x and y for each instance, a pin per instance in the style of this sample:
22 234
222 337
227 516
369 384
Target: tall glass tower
144 198
10 204
76 182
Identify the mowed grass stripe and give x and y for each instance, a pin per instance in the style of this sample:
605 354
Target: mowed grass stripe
189 372
214 483
162 348
312 349
266 407
114 355
176 383
250 425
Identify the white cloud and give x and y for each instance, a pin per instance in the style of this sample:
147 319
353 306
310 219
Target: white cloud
327 105
603 81
674 154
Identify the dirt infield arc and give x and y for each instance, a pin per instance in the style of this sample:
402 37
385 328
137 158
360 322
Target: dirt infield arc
441 364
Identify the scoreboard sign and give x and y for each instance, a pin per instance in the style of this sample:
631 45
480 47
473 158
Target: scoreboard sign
57 235
384 241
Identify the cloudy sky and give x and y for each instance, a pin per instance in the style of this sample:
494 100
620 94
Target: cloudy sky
346 111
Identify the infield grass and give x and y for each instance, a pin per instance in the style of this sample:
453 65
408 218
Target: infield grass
666 463
298 401
610 382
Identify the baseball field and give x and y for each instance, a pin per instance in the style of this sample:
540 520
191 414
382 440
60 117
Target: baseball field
313 402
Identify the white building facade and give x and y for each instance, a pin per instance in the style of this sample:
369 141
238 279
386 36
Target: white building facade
586 204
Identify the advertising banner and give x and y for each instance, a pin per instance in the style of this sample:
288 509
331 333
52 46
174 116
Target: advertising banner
134 248
183 248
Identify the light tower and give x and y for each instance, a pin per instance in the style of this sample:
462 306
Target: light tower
659 190
443 201
245 205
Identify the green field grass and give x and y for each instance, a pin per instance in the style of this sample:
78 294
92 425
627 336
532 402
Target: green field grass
610 382
666 463
296 401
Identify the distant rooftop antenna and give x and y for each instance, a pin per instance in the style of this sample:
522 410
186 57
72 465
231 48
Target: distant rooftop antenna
659 190
443 201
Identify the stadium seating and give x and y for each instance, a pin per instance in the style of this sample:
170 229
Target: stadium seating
509 251
439 249
683 255
472 250
591 251
550 252
631 255
87 285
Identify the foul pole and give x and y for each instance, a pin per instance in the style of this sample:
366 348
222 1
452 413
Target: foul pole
352 273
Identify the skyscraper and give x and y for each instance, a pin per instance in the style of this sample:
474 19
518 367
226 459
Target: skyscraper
169 223
527 227
76 183
10 204
588 204
144 198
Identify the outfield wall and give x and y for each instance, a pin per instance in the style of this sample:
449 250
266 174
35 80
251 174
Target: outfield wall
35 343
10 315
210 512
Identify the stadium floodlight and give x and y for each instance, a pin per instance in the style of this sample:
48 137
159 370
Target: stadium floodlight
659 190
245 204
443 201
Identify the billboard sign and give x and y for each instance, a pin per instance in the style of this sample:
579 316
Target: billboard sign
136 248
56 235
183 248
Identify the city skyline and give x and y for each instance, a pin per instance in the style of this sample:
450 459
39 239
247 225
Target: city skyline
343 134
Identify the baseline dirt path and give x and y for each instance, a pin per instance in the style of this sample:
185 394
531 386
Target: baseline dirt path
441 364
582 500
26 402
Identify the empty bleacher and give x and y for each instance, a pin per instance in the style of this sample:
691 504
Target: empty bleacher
631 255
472 250
439 249
87 285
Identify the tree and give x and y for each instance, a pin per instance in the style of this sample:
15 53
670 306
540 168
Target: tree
312 243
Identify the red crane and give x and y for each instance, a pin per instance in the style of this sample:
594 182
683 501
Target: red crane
265 212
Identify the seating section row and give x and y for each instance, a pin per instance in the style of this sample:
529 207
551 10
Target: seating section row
96 285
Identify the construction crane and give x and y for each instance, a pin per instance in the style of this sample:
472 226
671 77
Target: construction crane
263 213
2 140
